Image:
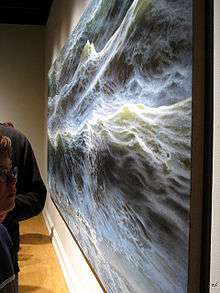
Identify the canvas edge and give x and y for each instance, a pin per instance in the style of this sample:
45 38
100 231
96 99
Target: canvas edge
202 129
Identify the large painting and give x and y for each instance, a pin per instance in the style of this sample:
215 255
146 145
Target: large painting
119 129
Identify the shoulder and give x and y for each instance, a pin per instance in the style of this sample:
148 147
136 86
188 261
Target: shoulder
6 246
3 233
7 276
12 133
5 240
20 143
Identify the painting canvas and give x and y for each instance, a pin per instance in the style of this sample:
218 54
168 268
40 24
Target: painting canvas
119 141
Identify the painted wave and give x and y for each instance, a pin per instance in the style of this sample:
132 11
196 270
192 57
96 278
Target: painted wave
119 128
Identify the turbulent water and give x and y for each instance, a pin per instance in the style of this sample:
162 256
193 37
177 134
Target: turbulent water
119 130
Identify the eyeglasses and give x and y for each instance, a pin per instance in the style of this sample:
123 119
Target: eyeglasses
8 175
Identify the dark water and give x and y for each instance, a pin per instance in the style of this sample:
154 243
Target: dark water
119 130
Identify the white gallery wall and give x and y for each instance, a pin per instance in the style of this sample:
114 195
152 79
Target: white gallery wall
63 17
215 244
22 83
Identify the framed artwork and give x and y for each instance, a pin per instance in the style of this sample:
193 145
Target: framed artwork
125 141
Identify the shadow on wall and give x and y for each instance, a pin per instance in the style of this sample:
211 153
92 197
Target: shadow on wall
64 18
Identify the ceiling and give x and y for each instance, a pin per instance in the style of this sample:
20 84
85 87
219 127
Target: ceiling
33 12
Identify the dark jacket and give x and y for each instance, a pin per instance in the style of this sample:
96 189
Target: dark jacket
7 262
31 191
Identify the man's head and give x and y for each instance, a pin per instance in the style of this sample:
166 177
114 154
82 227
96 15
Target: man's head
7 178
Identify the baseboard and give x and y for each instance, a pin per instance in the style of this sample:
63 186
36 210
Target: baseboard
61 255
77 273
48 221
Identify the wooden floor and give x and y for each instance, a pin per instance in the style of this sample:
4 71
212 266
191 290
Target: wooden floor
39 268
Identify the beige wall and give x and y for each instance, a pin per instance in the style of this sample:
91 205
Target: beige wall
22 83
215 244
63 17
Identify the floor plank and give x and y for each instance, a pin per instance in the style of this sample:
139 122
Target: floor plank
39 268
